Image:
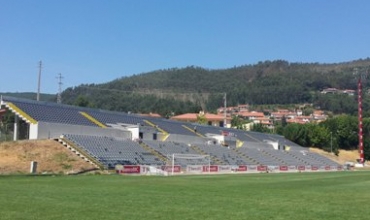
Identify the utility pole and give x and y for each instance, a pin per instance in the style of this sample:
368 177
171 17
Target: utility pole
60 83
39 82
225 109
331 142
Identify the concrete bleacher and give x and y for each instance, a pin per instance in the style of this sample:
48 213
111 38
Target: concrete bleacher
311 158
205 129
111 151
225 154
167 149
110 146
171 127
48 112
259 156
109 117
284 157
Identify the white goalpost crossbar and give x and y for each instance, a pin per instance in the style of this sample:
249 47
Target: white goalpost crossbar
188 157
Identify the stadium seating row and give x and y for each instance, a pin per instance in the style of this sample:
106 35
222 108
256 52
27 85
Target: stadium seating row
255 148
110 152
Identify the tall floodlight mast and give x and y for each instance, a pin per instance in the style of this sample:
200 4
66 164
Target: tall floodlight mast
360 127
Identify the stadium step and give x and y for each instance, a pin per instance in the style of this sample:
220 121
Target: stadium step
84 155
274 157
297 158
244 155
154 152
166 134
194 131
215 160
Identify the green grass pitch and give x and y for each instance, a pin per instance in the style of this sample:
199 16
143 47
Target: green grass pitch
336 195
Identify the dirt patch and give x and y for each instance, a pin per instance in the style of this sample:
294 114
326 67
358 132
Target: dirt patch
343 156
51 156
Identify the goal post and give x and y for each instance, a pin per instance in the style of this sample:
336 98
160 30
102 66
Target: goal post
189 159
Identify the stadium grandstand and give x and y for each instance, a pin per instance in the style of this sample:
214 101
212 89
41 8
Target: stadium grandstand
132 143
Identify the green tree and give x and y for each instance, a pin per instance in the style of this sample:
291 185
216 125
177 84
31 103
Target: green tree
258 127
82 101
237 122
318 136
201 119
296 133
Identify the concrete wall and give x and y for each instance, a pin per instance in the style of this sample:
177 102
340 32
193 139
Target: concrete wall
47 130
33 131
149 133
186 139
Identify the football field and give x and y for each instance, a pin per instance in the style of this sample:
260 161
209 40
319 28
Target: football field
336 195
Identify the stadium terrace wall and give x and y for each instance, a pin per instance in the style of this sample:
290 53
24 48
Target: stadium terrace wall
46 130
150 133
186 139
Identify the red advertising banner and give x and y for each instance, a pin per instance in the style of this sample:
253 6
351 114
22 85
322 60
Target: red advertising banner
242 168
301 168
262 168
340 168
212 168
176 168
327 168
283 168
131 169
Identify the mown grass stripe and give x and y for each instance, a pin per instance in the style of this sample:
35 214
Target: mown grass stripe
335 195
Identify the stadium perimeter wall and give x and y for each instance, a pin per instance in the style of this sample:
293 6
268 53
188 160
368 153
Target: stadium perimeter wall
221 169
47 130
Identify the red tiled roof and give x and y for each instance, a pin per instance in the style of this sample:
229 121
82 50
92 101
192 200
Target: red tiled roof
154 115
193 117
187 116
298 121
251 114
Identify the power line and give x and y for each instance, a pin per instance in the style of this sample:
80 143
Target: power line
150 92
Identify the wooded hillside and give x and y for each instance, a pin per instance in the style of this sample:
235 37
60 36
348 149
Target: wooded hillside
190 89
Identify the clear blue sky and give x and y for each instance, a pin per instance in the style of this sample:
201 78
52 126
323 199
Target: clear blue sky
96 41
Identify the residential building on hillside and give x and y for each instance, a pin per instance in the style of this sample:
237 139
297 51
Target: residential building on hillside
254 117
280 113
338 91
319 116
329 91
212 119
153 115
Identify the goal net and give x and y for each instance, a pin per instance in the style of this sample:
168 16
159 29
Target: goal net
191 163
